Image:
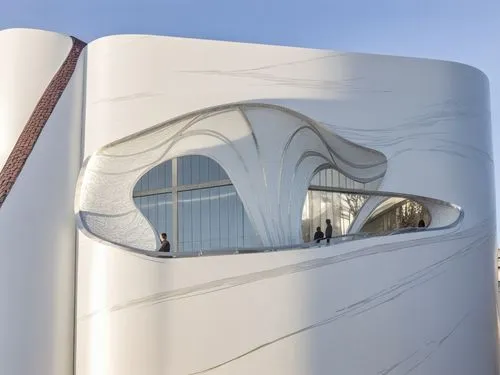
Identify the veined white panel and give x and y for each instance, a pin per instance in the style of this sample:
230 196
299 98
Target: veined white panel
381 102
293 312
37 247
29 61
426 301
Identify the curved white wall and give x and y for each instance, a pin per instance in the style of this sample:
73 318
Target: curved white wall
37 226
422 302
30 59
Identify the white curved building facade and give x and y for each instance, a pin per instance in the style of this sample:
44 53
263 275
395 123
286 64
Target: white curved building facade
244 290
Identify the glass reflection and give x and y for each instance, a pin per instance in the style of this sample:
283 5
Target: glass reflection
195 169
340 208
334 179
396 213
207 218
159 177
213 218
158 210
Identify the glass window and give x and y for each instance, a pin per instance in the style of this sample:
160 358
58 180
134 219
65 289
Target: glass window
340 208
153 181
184 170
168 173
196 219
204 169
153 209
240 224
195 169
214 215
211 218
396 213
334 179
224 215
160 177
185 223
232 218
205 222
213 171
158 210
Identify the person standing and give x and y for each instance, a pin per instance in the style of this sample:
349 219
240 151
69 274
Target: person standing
318 236
328 230
165 245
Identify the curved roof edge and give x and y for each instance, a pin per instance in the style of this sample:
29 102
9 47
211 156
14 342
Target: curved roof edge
323 50
31 29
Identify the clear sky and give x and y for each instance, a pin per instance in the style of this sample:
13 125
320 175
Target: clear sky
460 30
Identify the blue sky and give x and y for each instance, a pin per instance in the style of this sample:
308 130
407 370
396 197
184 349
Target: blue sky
460 30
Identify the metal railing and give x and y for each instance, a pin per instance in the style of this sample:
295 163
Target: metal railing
324 242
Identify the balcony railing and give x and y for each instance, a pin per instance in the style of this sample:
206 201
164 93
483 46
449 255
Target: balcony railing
324 242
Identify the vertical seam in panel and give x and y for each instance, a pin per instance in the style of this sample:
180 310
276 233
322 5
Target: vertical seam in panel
175 206
82 155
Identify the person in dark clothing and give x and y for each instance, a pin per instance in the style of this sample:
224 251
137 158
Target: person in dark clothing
328 231
318 236
165 245
421 224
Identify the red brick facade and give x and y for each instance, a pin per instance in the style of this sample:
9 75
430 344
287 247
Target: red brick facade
33 128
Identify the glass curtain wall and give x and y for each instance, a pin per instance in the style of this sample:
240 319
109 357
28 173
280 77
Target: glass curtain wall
192 200
331 178
326 200
213 218
396 213
340 208
322 202
158 210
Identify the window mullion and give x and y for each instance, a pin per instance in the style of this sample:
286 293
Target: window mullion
175 207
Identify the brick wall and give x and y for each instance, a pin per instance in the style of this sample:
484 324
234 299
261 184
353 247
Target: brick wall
33 128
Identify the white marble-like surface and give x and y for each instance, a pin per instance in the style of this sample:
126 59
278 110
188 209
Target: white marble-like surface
402 303
420 303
